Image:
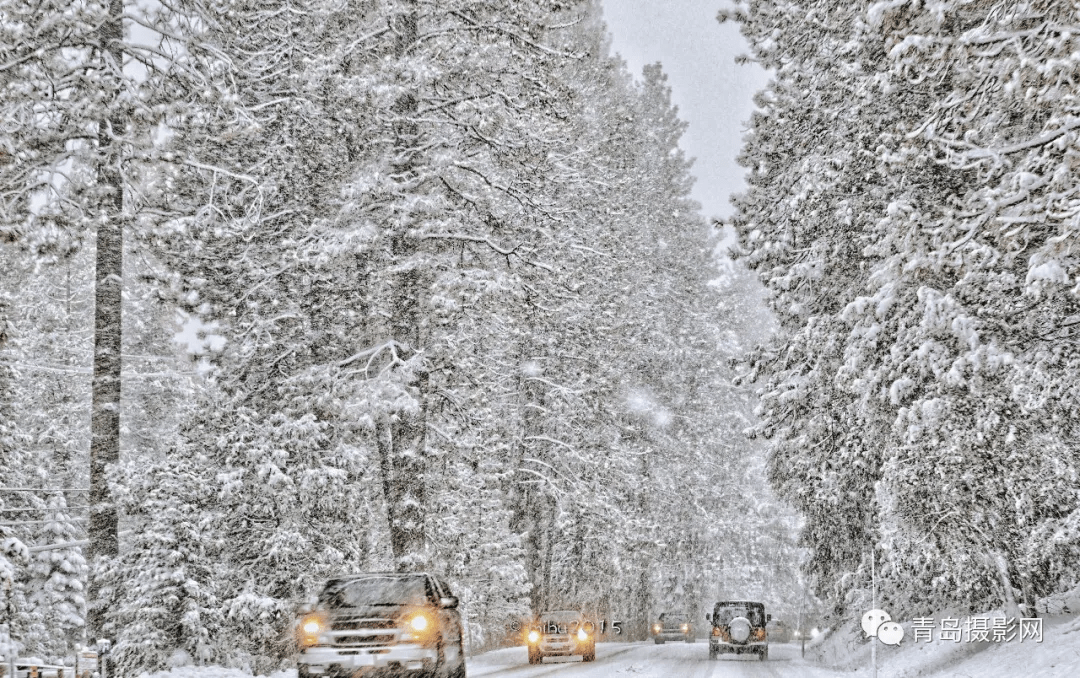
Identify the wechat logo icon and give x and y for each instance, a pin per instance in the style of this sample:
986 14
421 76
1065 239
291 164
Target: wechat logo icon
878 623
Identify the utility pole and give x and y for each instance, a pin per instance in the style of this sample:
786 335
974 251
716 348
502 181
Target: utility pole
873 606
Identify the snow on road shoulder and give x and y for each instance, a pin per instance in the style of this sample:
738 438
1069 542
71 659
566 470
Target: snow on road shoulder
212 672
1058 655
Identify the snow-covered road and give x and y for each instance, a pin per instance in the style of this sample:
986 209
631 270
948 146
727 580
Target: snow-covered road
647 660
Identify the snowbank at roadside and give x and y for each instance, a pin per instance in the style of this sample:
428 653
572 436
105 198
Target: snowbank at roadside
212 672
1057 655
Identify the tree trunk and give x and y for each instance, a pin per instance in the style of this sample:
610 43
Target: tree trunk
105 398
530 505
1012 609
405 475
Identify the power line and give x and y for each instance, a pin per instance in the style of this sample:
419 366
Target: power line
44 508
44 489
53 547
44 522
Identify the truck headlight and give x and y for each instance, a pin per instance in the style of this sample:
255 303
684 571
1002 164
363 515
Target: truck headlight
419 623
656 628
685 628
581 635
311 626
533 636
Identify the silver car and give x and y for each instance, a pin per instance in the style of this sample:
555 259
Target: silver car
561 633
672 626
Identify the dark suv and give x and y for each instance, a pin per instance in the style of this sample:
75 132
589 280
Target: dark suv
672 626
407 623
738 626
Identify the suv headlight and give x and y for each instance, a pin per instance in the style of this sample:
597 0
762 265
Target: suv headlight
581 635
534 636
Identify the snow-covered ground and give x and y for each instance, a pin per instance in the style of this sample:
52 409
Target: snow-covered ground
1058 656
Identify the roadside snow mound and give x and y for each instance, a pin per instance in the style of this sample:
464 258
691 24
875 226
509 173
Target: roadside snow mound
212 672
1057 656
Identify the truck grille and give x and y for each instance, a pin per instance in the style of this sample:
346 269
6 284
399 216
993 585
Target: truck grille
364 639
362 624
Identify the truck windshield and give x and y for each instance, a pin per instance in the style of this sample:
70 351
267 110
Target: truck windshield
375 591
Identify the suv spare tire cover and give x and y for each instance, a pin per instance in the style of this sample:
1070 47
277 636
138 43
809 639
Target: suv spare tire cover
739 629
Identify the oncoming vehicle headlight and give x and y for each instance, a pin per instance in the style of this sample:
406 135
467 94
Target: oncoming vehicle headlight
419 623
685 628
534 636
581 635
656 628
311 626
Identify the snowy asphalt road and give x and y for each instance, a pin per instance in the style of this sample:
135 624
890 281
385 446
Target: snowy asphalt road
647 660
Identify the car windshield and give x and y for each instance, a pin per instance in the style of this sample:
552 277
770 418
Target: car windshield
561 617
725 613
375 591
674 618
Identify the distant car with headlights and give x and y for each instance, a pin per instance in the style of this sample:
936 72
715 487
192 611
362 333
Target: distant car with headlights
738 627
561 633
672 626
408 624
779 632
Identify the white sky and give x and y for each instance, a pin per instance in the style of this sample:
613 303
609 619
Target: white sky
713 93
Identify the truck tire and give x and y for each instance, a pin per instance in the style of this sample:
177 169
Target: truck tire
535 657
658 641
590 654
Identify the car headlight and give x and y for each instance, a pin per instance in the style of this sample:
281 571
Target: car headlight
656 628
419 623
581 635
685 628
533 636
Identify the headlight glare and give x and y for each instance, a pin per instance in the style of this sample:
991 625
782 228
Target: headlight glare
311 626
533 636
419 623
581 635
